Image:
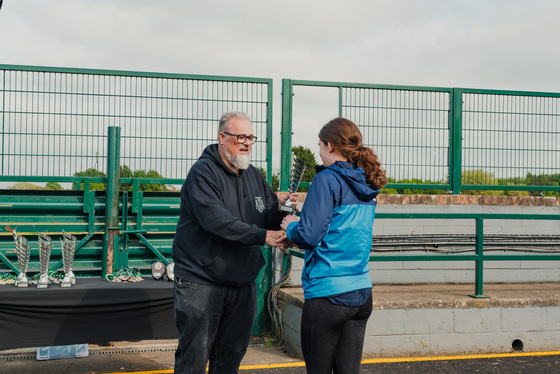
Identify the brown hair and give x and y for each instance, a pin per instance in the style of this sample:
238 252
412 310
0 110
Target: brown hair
344 136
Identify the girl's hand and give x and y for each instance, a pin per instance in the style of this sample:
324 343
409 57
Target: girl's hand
292 197
287 220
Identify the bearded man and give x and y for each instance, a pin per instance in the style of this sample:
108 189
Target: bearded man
228 211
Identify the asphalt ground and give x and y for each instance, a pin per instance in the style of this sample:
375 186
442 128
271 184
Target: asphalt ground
541 363
156 357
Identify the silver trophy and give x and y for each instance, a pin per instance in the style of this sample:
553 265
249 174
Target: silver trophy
23 254
68 248
44 256
298 168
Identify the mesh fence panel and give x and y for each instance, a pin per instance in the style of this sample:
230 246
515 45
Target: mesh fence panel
511 137
54 123
409 130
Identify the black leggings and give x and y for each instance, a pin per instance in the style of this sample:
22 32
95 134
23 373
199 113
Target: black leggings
332 336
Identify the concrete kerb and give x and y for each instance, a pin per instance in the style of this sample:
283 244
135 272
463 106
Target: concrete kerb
441 319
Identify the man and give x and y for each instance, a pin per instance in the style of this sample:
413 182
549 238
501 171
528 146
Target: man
228 211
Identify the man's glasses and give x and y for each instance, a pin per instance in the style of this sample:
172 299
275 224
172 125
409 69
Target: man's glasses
242 138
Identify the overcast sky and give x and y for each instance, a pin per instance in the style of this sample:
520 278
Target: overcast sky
508 44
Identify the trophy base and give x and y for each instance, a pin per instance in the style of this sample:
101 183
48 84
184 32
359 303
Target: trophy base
68 280
70 277
43 281
21 281
287 209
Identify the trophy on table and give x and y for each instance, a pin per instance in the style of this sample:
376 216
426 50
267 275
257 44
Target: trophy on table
23 254
44 256
158 270
68 248
298 167
169 271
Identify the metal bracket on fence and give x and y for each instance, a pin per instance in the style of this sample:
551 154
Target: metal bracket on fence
124 232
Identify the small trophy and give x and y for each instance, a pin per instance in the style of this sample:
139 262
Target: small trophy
298 167
23 254
158 270
44 256
68 247
169 271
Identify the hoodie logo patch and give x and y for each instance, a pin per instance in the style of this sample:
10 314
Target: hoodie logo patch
259 204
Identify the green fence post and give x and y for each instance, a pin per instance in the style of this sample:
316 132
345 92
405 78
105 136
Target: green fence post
3 115
340 92
264 279
479 262
269 134
111 199
456 140
286 134
121 251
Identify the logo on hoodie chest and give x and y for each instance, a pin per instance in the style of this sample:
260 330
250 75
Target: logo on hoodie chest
259 204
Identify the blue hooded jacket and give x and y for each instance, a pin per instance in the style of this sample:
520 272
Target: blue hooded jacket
335 229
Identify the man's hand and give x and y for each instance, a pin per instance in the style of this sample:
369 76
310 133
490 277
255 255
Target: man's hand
277 239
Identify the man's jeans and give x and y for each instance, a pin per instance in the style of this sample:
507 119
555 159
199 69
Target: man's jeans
214 323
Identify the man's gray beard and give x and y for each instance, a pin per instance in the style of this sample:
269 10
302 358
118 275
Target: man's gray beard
239 161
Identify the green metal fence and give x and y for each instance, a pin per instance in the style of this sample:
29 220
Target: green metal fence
116 128
54 120
448 138
77 126
123 130
454 139
479 257
512 136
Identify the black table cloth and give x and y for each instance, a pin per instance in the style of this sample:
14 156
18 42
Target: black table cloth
92 311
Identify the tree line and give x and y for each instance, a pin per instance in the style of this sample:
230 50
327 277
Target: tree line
124 172
469 177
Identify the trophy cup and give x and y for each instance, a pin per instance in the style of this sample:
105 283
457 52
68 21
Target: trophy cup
23 254
298 167
44 256
68 247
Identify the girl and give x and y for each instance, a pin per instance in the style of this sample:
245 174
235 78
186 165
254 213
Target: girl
335 230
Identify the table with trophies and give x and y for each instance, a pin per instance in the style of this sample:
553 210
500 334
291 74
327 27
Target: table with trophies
84 310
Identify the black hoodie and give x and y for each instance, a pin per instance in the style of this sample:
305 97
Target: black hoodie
222 223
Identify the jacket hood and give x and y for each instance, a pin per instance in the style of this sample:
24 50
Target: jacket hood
355 177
